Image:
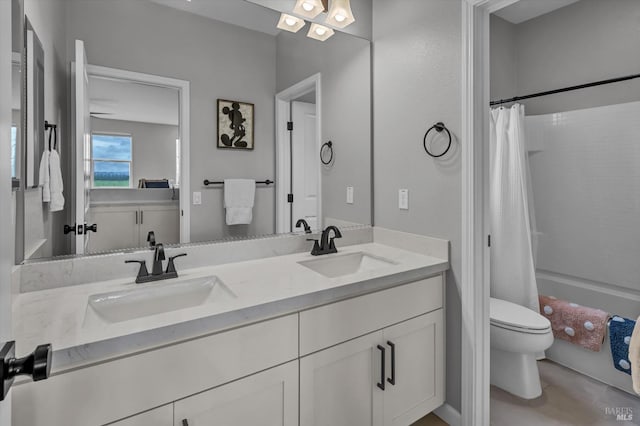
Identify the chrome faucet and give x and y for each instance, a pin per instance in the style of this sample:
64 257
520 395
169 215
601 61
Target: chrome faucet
326 245
157 273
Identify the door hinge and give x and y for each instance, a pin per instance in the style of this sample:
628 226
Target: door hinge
289 198
289 125
488 240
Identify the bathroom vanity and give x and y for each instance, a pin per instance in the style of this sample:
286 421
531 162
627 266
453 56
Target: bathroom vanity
353 338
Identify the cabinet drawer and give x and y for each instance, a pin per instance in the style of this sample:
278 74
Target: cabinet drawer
331 324
114 390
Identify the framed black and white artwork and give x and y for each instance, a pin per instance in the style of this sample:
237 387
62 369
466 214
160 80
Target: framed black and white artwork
235 124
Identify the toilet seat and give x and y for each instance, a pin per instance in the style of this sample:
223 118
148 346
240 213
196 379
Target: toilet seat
514 317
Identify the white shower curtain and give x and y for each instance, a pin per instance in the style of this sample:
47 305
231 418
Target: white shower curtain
512 268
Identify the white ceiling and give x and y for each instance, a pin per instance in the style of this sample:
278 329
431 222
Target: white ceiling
123 100
529 9
241 13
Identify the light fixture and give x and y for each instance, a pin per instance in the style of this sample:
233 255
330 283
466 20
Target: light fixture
340 14
290 23
308 8
319 32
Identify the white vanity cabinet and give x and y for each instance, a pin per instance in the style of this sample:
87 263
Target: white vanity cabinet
127 226
392 376
269 398
162 416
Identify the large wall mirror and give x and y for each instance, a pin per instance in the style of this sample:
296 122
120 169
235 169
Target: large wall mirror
161 113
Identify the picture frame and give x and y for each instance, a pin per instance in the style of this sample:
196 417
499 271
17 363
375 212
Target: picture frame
235 125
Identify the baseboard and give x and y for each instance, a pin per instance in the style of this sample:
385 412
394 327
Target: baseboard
449 414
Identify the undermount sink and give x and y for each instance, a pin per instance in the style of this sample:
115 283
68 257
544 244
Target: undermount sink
338 265
158 298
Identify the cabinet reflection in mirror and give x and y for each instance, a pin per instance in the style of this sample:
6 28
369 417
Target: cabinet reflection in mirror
133 88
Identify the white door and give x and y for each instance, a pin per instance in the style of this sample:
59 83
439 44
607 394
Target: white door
338 386
418 364
82 148
305 163
6 226
269 398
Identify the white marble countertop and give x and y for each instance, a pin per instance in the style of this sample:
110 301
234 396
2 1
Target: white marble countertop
264 288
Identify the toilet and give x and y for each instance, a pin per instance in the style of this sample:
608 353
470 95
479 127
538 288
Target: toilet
518 336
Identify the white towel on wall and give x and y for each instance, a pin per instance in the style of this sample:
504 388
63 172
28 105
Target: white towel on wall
634 356
55 182
239 196
43 176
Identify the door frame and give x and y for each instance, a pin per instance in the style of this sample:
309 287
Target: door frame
7 225
283 154
475 288
183 87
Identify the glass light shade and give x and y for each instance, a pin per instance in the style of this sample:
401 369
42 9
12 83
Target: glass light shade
319 32
340 14
290 23
308 8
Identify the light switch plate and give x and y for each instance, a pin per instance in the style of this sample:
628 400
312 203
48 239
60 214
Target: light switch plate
403 199
197 198
349 194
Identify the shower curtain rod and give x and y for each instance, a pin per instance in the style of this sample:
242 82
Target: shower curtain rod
566 89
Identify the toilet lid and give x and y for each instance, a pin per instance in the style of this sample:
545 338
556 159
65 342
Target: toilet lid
513 316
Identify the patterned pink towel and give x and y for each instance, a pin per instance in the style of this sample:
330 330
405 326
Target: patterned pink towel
577 324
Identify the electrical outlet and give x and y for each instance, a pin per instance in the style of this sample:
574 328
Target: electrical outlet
403 199
197 198
349 194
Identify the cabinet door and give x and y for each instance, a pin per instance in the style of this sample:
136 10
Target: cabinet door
162 416
117 228
419 369
269 398
164 221
338 384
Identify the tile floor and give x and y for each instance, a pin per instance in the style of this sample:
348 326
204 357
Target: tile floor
568 398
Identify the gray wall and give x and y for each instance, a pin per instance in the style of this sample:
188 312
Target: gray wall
44 16
154 147
220 61
417 82
503 52
586 41
345 65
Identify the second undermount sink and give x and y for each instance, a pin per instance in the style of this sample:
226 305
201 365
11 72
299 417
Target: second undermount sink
158 298
338 265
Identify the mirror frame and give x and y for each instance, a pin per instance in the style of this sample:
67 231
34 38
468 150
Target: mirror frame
184 98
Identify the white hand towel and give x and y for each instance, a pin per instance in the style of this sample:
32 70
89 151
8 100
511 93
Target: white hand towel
239 195
55 182
43 176
634 356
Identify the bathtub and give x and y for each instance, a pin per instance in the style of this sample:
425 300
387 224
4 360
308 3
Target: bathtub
615 300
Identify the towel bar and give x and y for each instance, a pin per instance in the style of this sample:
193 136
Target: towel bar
208 182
